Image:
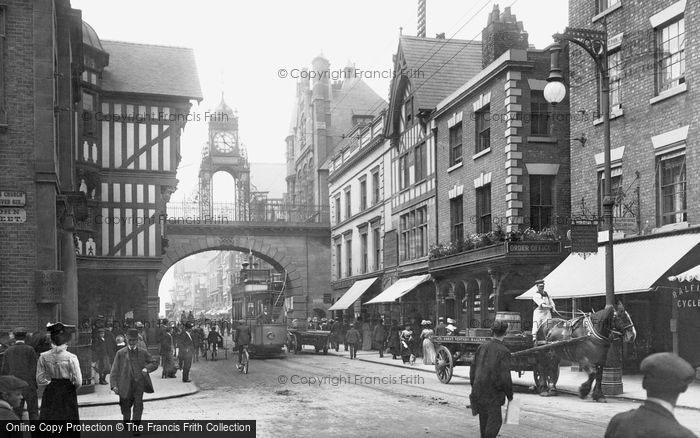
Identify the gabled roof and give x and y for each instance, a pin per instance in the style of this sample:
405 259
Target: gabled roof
437 67
353 98
151 69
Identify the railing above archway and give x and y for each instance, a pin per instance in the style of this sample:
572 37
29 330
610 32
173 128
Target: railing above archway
270 210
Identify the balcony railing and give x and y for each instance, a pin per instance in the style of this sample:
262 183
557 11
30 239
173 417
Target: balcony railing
266 211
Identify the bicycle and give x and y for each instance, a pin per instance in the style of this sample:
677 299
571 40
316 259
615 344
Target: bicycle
214 350
244 359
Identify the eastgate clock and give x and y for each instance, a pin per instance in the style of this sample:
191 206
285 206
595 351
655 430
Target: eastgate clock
224 142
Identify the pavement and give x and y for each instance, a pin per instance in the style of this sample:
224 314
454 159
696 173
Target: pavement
568 382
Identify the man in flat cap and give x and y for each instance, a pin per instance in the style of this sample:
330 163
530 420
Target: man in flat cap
11 390
666 376
20 361
129 376
490 379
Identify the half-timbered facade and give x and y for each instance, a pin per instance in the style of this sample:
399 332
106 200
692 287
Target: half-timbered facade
431 69
135 106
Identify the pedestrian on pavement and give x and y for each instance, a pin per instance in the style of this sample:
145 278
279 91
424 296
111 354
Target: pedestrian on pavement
142 335
441 328
101 355
379 337
666 376
427 344
343 332
366 334
186 347
335 334
406 339
20 361
353 339
60 370
490 379
166 354
543 311
129 376
11 390
393 340
111 342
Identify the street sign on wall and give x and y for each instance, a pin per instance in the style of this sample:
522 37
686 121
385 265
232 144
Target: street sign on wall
48 286
584 238
12 215
9 198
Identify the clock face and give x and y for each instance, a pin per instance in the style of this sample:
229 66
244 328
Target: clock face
224 142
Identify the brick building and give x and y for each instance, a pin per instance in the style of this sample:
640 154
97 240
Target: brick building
39 200
502 163
357 174
432 69
88 153
655 158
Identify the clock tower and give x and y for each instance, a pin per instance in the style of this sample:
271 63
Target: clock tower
223 152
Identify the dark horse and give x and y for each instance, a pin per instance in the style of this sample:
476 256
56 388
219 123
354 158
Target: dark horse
594 331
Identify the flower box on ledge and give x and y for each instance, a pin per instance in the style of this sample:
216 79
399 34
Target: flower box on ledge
498 250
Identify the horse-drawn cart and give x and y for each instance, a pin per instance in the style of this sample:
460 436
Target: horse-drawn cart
452 351
319 339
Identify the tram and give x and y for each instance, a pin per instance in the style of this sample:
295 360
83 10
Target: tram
258 302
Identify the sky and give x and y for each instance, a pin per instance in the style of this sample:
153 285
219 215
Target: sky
241 48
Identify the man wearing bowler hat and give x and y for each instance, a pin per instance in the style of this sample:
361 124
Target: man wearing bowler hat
20 361
129 376
666 376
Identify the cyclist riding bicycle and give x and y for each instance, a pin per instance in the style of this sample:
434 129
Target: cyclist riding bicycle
214 339
241 339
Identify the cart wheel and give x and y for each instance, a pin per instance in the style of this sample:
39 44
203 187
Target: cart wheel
444 364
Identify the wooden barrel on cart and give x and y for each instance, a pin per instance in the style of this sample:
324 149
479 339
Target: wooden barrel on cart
512 318
611 384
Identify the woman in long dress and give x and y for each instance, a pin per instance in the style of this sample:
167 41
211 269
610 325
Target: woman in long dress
428 347
61 371
406 338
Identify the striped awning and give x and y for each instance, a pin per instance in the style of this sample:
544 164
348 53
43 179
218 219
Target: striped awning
353 294
399 289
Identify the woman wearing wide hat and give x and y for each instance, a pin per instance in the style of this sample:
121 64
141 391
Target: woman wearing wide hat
61 371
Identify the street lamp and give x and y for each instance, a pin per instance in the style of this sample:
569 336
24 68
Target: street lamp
595 43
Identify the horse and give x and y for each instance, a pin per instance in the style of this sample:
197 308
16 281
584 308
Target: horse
595 332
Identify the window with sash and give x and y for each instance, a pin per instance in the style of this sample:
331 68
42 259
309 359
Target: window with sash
483 129
348 203
365 253
541 201
338 217
456 144
483 209
671 189
338 260
420 161
363 194
376 243
540 121
670 55
615 189
348 257
457 219
375 187
414 234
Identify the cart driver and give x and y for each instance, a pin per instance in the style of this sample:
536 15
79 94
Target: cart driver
544 309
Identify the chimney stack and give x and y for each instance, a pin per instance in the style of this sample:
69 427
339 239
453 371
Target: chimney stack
421 19
502 33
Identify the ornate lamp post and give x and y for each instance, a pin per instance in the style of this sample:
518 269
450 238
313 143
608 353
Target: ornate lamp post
595 43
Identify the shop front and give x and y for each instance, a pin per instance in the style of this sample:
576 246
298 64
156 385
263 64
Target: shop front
349 305
408 300
661 309
473 285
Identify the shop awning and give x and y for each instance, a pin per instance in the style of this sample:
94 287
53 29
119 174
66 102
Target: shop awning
399 289
353 294
692 274
638 265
